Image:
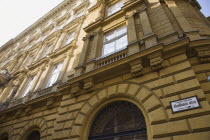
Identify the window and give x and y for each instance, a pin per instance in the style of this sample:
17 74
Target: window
115 7
28 86
54 75
79 14
120 120
115 41
30 60
46 51
69 38
35 135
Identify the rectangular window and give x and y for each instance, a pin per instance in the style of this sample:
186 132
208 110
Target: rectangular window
54 75
30 60
28 86
115 7
115 41
69 38
46 51
79 14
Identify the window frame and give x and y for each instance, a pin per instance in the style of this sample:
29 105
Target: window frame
112 4
113 40
27 87
49 82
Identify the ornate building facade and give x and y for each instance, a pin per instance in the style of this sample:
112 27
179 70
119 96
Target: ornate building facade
109 70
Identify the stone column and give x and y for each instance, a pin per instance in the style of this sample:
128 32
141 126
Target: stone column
44 77
150 38
21 88
37 78
12 65
133 45
55 42
65 64
102 10
20 61
40 51
80 68
60 40
182 21
93 52
6 91
15 88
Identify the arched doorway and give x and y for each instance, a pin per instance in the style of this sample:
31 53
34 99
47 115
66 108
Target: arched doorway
34 135
120 120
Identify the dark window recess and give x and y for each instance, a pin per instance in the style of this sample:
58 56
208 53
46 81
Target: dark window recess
35 135
119 121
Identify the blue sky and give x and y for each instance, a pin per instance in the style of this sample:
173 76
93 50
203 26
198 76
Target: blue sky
205 4
17 15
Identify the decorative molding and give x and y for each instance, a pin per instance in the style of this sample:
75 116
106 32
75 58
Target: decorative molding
156 63
204 56
75 88
88 84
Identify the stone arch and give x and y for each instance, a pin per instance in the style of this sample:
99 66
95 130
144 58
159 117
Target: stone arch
36 124
8 131
143 97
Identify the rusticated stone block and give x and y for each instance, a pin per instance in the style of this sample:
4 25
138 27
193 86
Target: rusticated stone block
175 69
133 89
157 116
193 136
200 123
176 88
170 128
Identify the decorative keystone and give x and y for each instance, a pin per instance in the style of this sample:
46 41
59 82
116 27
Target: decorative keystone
75 88
156 63
88 84
204 56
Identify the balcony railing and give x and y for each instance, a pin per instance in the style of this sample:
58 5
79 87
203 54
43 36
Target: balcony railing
103 61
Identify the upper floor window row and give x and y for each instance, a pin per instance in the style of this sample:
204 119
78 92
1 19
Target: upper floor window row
115 41
115 7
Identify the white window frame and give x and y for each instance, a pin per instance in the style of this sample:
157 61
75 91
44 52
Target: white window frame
69 37
115 40
46 51
54 74
28 86
115 7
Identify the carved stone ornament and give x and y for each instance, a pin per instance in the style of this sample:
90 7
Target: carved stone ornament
136 70
75 88
156 63
50 102
88 84
28 110
204 56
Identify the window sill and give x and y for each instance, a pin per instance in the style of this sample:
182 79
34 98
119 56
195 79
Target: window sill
112 57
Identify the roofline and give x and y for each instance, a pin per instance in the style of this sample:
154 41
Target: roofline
41 20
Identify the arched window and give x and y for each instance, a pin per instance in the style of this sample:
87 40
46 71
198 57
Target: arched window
119 121
34 135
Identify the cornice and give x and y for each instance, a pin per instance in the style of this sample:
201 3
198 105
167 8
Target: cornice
40 21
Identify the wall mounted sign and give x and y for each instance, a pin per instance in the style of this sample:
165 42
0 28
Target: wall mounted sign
185 104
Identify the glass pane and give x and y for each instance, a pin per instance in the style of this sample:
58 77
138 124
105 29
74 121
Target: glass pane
109 36
120 4
121 30
121 42
27 88
109 48
111 9
70 38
